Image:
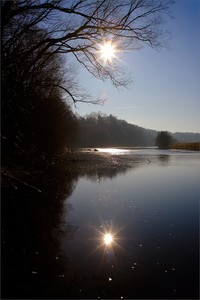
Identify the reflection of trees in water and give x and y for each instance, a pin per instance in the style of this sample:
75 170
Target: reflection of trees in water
33 224
99 173
108 166
164 159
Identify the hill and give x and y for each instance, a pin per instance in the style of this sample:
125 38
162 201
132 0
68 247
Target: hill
101 130
187 137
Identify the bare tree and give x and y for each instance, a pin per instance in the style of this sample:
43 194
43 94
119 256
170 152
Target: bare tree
78 28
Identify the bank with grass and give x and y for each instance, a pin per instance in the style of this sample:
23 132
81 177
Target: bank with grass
187 146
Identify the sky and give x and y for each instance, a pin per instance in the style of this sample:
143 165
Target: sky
165 93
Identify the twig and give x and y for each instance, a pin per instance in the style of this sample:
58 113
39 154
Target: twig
31 186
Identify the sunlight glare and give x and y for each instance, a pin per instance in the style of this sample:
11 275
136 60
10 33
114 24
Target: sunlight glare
108 239
108 51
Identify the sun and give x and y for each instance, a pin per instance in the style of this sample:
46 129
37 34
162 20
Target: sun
107 51
108 239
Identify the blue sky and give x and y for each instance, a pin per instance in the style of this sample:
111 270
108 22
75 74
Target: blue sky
165 93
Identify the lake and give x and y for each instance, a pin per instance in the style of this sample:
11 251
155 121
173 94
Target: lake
131 233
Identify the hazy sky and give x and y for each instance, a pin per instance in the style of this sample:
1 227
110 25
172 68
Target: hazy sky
165 93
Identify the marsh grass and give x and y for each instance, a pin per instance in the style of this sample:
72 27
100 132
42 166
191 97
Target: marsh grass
187 146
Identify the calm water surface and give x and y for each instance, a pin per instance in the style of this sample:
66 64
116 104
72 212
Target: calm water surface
152 213
53 241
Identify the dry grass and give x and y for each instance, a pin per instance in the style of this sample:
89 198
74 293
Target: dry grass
187 146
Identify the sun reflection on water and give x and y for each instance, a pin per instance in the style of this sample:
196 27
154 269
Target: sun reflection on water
113 150
108 239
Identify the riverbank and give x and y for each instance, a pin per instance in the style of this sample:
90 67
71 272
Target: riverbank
90 160
187 146
76 163
85 162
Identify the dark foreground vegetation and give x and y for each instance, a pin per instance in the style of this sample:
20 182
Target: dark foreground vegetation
36 120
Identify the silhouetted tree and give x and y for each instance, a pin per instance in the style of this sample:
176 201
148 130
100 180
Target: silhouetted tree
36 121
164 140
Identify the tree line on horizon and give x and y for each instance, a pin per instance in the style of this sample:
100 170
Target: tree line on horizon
101 130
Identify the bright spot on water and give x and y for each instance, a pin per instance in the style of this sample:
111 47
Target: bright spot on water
113 150
108 239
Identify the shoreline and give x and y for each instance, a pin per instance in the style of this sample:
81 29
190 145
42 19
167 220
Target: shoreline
95 161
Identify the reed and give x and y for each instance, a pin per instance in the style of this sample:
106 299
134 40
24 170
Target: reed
195 146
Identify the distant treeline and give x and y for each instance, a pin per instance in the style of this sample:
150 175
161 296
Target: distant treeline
101 130
187 137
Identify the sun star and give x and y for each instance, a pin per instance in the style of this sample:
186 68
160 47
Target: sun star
107 51
108 239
